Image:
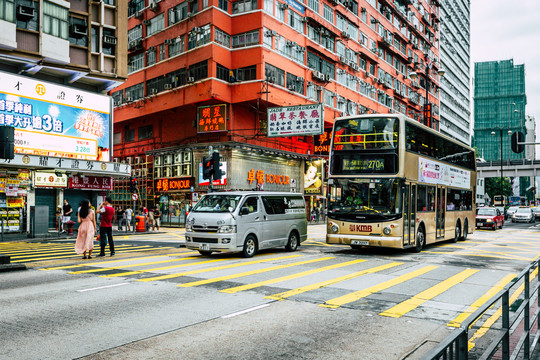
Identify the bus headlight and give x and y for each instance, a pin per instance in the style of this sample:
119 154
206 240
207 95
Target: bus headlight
387 230
227 229
334 228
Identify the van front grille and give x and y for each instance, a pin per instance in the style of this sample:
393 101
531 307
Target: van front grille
205 240
207 229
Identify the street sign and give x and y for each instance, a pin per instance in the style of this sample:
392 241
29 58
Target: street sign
134 197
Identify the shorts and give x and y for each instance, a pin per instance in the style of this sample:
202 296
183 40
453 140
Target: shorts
65 219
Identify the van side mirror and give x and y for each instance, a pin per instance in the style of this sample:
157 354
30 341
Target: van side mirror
244 210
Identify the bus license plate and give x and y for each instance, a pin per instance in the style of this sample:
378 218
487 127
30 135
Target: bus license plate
204 247
359 242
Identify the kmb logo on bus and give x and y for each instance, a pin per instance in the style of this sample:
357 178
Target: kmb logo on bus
360 228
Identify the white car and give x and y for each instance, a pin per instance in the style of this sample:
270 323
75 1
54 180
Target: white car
524 214
512 210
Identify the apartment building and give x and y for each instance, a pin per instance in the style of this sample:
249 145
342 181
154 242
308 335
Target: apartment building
241 58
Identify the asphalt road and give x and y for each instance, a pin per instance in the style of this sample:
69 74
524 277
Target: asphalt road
156 300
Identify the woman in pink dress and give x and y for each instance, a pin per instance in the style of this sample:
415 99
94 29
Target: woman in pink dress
87 229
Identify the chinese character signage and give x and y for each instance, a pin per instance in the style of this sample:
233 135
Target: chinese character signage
313 177
53 120
295 120
321 143
45 179
90 182
259 177
173 184
212 118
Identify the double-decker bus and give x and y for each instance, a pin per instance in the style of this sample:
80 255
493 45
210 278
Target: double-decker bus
396 183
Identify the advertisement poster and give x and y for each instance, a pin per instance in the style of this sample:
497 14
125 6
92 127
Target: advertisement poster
433 172
53 120
298 120
313 178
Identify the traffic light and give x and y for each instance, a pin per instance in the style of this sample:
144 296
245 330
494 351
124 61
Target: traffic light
517 137
132 184
216 163
427 115
207 167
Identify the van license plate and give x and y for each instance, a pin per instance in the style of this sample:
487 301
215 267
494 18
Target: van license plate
359 242
204 247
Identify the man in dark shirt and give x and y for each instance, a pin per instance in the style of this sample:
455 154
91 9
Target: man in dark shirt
67 210
105 227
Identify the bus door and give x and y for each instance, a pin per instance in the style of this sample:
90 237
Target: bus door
409 213
440 212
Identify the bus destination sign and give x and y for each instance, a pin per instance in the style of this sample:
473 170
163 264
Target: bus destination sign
363 165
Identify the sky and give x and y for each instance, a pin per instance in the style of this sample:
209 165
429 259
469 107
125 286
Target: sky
505 29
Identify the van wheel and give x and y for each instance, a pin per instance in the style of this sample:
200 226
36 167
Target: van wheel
250 247
205 253
420 240
292 244
457 233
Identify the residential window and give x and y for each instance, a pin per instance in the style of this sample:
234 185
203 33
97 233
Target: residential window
328 14
151 56
155 85
298 54
243 6
117 138
221 37
280 11
178 13
156 24
312 91
245 39
247 73
314 4
134 6
145 132
199 71
296 21
7 10
134 92
199 36
135 63
28 24
274 75
223 73
78 33
284 46
55 20
177 47
267 38
329 98
118 97
135 33
108 48
269 6
223 5
161 52
295 83
130 135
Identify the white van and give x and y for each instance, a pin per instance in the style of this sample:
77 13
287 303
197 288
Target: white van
246 221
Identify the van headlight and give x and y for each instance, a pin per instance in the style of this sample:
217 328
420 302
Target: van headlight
227 229
387 230
189 227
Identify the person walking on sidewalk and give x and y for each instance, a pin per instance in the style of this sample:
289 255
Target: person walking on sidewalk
157 216
87 230
105 227
67 214
129 214
121 217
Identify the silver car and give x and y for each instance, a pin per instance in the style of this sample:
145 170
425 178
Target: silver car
524 214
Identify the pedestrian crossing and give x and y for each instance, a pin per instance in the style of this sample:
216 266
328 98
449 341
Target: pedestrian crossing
27 252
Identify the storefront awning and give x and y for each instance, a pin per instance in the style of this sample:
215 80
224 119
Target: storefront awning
68 166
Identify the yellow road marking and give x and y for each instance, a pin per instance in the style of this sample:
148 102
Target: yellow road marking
76 256
230 266
117 261
72 251
161 268
493 318
283 278
357 295
479 255
476 305
408 305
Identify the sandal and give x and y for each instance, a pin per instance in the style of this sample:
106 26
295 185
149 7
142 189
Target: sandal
89 257
85 257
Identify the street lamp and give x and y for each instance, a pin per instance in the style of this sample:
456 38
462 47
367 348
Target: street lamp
414 75
501 133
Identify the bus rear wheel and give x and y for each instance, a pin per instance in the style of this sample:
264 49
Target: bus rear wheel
457 233
465 231
420 240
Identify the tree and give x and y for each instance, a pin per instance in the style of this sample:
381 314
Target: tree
493 187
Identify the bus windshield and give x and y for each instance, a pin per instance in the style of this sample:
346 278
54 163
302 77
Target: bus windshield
364 199
217 203
366 133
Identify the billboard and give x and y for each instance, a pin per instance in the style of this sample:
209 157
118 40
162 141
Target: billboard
55 120
212 118
313 177
298 120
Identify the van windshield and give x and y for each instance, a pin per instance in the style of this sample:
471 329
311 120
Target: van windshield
217 203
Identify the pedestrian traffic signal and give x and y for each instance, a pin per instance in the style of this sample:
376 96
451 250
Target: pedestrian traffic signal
517 137
216 162
207 167
132 184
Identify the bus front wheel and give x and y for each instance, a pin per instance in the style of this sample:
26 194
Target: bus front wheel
420 240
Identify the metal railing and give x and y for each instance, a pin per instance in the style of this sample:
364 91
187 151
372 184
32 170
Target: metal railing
513 339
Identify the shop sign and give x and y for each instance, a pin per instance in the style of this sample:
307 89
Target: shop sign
212 118
90 182
299 120
222 181
260 177
24 174
43 179
15 201
55 120
71 165
321 143
173 184
313 177
12 187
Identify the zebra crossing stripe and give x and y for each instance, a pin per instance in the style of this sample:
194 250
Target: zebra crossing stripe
262 283
349 298
408 305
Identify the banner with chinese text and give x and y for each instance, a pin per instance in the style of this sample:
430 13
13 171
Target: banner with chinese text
298 120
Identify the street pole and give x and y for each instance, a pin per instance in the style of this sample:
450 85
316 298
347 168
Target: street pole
500 130
211 180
